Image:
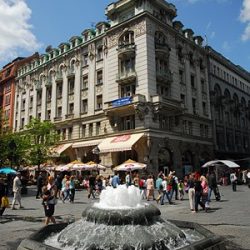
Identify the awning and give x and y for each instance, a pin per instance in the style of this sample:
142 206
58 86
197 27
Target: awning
119 143
57 150
83 144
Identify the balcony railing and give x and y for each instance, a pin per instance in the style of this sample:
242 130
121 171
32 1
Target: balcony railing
126 77
128 48
59 76
164 76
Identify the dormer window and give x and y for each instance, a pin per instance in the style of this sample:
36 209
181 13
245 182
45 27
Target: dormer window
126 39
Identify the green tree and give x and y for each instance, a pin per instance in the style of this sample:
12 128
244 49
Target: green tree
13 147
41 136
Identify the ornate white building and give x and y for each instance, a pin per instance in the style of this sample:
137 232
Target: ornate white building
230 107
136 87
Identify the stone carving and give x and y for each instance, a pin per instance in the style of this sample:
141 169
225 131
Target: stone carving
141 110
140 28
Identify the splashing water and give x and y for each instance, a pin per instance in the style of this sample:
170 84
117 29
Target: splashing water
122 197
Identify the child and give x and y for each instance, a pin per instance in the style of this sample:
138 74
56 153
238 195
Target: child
4 204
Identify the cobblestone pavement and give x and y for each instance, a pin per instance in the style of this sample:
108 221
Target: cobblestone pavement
229 217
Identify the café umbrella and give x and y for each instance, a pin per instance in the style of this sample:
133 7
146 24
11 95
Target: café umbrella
130 165
215 163
7 171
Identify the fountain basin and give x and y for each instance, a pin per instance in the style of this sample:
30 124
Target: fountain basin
210 241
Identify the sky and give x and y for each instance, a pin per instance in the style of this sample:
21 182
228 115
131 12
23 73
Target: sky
27 26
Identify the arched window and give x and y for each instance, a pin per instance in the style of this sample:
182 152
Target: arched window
160 38
126 38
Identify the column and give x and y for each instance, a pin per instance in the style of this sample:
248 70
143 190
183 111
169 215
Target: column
53 98
27 98
77 90
44 102
188 85
198 86
65 94
19 110
34 102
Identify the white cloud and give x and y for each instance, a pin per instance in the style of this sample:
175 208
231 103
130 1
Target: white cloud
15 30
245 18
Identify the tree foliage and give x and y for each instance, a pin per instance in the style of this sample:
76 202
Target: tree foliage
41 136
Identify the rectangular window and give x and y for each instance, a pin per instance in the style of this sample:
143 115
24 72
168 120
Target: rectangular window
85 82
71 85
83 130
127 122
194 105
59 112
98 128
71 108
85 59
23 105
99 77
128 90
190 128
31 102
7 114
183 99
39 115
22 123
192 79
204 108
99 102
84 107
7 100
48 115
39 98
49 94
90 129
70 132
59 90
99 55
181 76
203 86
64 134
7 88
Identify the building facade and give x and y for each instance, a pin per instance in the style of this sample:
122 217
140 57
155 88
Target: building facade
230 107
7 91
136 87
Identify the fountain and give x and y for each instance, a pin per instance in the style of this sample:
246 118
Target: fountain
121 220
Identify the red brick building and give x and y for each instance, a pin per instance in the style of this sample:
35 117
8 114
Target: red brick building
7 91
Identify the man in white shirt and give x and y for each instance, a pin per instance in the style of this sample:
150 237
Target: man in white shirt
17 185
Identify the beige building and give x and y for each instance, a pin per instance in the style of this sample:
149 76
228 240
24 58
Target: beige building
230 108
136 87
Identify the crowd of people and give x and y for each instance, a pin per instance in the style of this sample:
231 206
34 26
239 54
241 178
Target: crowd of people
164 188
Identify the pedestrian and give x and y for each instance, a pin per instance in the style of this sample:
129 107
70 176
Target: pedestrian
174 184
164 194
39 185
58 183
49 201
4 203
72 189
3 194
233 179
66 188
191 192
150 187
204 197
115 180
128 179
198 194
17 186
159 187
213 187
248 178
92 183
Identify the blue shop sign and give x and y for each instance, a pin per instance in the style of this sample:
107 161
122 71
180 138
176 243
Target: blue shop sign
122 101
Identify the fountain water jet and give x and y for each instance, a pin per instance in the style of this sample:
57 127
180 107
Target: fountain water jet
121 220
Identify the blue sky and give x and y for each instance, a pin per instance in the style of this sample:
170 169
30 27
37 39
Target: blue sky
27 26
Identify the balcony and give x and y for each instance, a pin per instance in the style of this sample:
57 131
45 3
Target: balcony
127 49
164 76
162 49
57 119
126 77
48 83
69 116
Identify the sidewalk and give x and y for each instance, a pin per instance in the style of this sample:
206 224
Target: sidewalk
228 217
